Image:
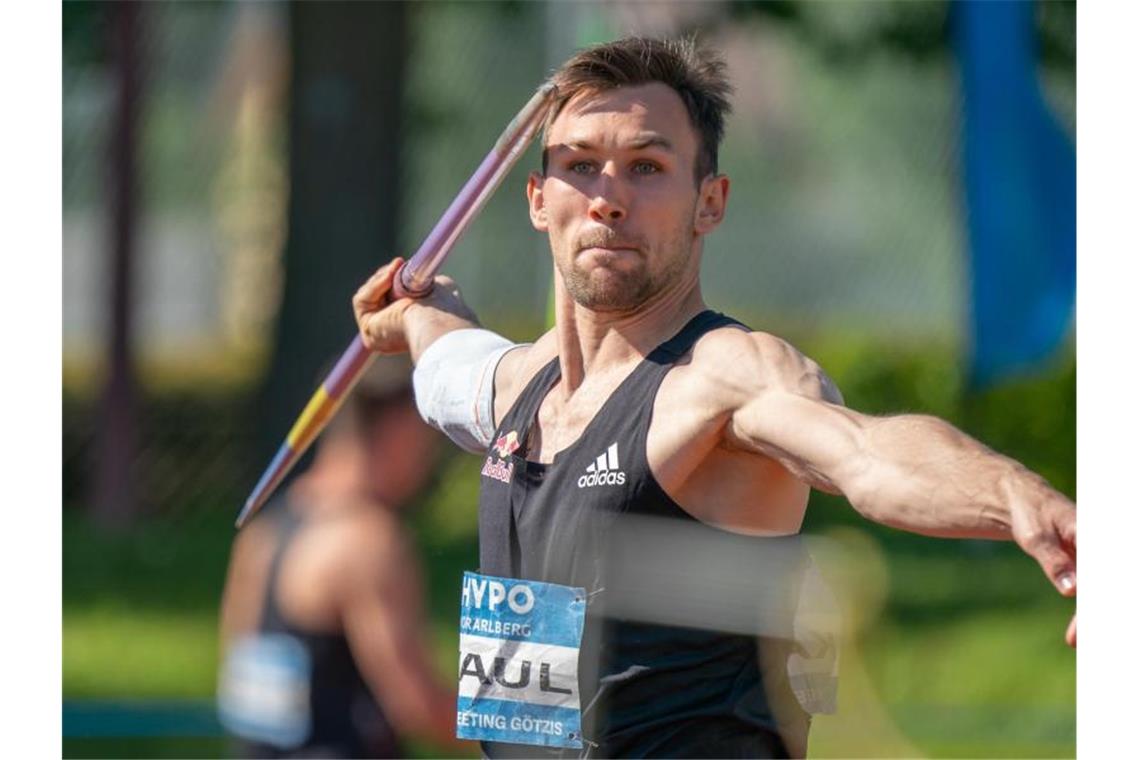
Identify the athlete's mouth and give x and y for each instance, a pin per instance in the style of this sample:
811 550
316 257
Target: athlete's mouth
606 240
609 246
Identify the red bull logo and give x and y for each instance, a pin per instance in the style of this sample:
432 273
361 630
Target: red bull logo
504 446
507 444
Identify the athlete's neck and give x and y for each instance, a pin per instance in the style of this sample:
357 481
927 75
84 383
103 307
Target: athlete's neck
595 341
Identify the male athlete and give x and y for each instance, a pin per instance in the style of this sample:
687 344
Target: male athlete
325 642
643 402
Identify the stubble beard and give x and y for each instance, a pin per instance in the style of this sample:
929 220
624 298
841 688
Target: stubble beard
624 290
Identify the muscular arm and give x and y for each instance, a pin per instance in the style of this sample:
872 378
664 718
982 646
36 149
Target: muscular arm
388 635
914 472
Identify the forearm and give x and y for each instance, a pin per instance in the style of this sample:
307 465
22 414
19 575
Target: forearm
921 474
417 705
425 322
388 638
912 472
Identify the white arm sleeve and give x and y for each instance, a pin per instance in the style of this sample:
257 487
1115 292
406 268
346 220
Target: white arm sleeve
454 382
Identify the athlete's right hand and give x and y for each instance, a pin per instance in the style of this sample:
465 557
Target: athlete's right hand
379 318
394 326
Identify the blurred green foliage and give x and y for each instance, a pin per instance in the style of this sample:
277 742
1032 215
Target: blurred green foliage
852 33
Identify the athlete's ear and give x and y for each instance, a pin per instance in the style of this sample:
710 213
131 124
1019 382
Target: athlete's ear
537 202
711 203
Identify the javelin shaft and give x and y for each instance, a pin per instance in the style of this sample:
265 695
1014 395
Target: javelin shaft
414 279
316 415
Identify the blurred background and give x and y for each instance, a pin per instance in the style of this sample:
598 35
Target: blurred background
902 209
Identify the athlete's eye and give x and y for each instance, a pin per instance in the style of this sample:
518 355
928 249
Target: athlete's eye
646 167
581 167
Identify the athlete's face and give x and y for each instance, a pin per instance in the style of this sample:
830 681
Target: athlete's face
619 199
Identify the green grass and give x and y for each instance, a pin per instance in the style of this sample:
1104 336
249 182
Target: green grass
140 610
955 651
991 684
991 659
144 747
962 655
120 652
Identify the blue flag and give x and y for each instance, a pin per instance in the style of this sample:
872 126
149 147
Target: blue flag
1021 194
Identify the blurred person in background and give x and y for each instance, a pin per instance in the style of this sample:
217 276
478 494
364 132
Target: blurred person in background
324 640
642 401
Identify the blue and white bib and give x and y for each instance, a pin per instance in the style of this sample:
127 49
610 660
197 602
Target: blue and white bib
518 661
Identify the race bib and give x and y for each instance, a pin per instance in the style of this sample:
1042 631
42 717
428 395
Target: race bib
263 692
518 661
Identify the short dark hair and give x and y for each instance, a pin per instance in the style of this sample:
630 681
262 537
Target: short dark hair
695 73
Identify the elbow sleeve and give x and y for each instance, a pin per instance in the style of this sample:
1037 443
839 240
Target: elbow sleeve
454 383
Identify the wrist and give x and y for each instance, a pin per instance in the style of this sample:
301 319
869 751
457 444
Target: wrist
424 323
1017 487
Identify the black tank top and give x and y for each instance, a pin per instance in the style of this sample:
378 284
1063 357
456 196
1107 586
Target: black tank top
344 717
646 689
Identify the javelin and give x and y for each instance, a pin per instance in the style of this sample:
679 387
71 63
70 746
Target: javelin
414 279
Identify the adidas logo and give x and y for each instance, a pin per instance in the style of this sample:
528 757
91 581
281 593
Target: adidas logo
604 471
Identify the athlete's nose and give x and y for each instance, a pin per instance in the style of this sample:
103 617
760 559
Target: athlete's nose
609 203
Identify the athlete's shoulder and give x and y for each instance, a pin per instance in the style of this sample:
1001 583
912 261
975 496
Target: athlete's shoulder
368 547
524 361
743 361
518 367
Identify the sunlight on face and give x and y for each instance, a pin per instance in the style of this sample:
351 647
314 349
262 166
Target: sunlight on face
618 199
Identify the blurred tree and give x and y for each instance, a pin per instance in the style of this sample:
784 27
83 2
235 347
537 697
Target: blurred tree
346 93
114 501
851 33
85 38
